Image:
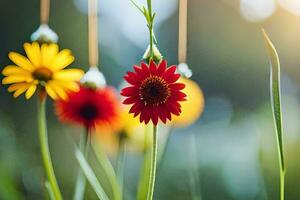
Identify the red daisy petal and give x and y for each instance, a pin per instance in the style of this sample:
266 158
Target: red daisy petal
162 114
145 68
161 68
173 78
129 91
140 72
132 78
177 86
152 67
130 100
177 95
154 116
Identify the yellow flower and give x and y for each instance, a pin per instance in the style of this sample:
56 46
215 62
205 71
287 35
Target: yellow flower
193 107
43 67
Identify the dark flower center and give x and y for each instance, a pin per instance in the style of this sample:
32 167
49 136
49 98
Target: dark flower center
42 74
88 112
154 90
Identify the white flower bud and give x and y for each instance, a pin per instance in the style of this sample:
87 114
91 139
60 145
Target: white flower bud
44 34
93 78
157 55
184 70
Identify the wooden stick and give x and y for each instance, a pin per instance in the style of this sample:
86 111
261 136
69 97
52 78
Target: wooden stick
182 31
93 33
45 9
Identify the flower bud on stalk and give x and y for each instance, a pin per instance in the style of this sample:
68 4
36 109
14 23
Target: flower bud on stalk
44 34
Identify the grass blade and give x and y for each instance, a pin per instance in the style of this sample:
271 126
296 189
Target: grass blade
276 106
90 175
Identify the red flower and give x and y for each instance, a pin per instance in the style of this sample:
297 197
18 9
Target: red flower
90 107
154 92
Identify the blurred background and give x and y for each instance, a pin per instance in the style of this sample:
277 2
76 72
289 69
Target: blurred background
227 154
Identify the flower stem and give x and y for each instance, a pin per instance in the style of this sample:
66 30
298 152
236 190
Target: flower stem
153 165
81 180
42 127
150 26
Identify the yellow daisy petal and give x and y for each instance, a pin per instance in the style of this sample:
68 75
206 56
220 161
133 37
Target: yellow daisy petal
48 52
13 70
61 60
50 91
58 90
21 61
21 90
17 86
33 53
69 74
30 91
17 79
68 85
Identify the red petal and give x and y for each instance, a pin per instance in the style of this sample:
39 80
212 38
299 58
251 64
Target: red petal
152 67
154 115
173 108
130 91
173 78
161 68
148 113
177 86
131 100
162 114
135 108
177 95
145 69
167 112
170 71
132 78
140 72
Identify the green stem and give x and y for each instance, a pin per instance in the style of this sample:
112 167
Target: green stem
153 165
109 172
282 175
43 137
121 164
150 26
81 180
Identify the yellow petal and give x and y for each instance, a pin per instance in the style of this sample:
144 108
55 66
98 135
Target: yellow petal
62 60
58 90
21 90
13 70
17 79
68 85
48 52
30 91
21 61
17 86
50 91
33 53
69 74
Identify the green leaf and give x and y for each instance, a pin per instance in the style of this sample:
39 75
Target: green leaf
90 175
49 190
276 96
137 6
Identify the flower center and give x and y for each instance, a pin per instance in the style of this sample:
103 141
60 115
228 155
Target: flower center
154 90
42 74
88 112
